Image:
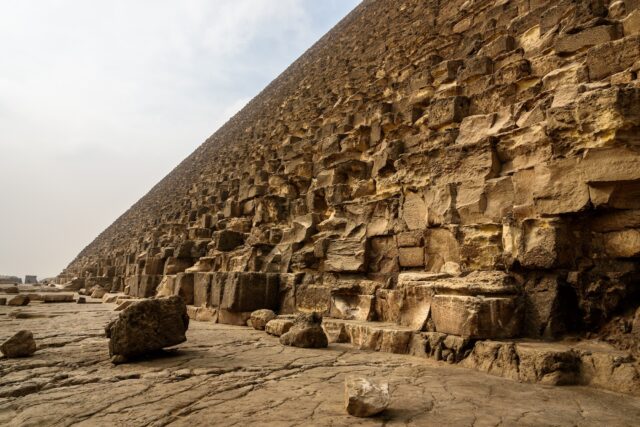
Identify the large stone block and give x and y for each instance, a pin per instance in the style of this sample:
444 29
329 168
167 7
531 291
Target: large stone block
345 255
202 289
184 287
476 317
247 292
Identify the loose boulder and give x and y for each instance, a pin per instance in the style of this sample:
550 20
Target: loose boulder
3 301
11 290
260 318
365 397
146 327
21 344
19 300
306 332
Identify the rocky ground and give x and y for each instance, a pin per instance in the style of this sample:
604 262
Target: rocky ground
226 375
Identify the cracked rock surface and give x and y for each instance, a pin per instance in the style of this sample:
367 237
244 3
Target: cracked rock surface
226 375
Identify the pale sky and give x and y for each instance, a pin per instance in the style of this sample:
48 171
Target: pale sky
101 99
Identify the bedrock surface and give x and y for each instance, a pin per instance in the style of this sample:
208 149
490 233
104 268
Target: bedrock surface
226 375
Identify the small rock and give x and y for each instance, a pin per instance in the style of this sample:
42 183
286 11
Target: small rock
21 344
11 290
306 332
278 327
19 300
147 326
98 292
365 397
81 300
260 318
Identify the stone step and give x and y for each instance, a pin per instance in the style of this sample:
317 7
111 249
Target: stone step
375 336
592 363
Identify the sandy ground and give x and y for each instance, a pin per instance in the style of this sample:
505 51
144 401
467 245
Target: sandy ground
226 375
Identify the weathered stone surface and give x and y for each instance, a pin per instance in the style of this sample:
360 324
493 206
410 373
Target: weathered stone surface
365 397
21 344
147 326
260 318
19 300
193 385
493 147
278 327
49 298
306 332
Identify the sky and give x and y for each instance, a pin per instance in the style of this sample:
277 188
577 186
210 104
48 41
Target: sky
99 100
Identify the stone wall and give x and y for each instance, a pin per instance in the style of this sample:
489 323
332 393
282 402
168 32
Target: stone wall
464 167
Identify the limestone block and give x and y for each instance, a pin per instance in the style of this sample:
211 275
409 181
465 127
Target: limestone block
480 248
202 289
246 292
560 187
612 57
631 24
352 307
278 326
260 318
383 255
441 247
313 298
167 286
445 71
443 112
411 257
387 305
416 304
475 67
414 211
538 243
476 317
236 318
622 244
146 286
228 240
184 287
569 43
345 255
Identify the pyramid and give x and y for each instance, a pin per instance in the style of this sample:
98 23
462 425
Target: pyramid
463 168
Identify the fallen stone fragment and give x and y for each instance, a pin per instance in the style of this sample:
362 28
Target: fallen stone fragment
306 332
365 397
21 344
147 326
19 300
81 300
260 318
3 301
278 327
11 290
51 298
